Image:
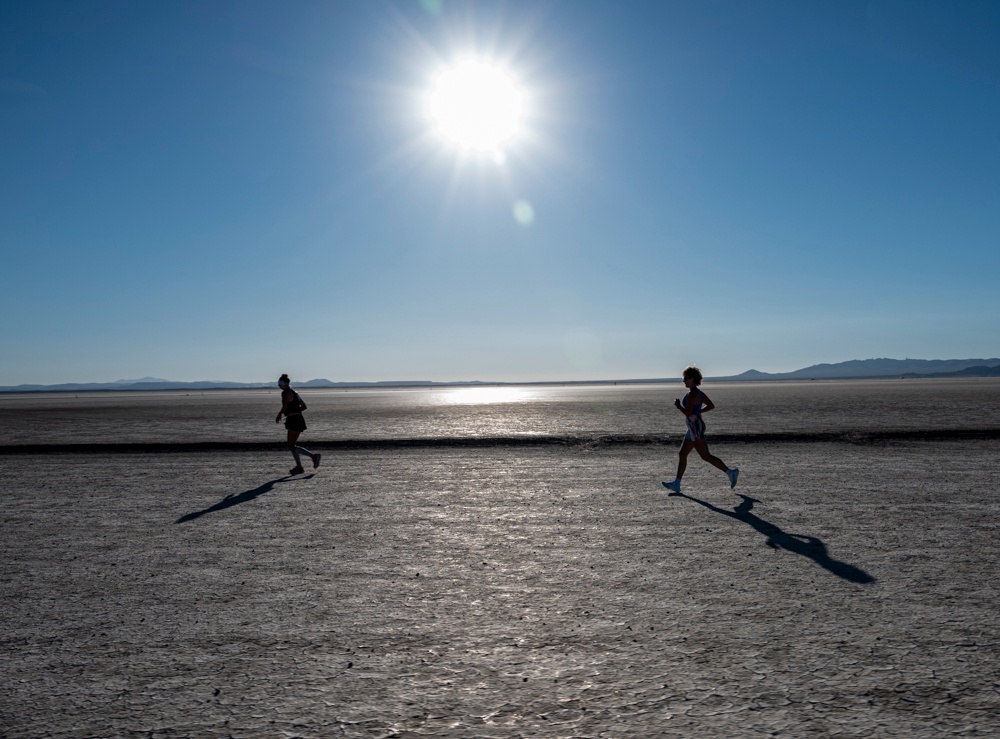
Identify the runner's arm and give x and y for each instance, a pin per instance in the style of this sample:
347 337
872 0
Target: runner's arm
284 405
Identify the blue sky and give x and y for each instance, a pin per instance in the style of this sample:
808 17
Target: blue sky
230 190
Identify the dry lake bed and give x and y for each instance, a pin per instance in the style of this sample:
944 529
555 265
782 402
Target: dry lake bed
845 588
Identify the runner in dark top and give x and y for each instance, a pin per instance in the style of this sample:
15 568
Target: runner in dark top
291 408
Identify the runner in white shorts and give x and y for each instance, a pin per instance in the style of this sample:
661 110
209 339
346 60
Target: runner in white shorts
696 403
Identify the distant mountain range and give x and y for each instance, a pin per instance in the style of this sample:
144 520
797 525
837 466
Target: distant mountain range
153 383
856 369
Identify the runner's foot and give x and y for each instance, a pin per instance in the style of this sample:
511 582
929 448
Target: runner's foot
675 486
316 460
733 475
296 470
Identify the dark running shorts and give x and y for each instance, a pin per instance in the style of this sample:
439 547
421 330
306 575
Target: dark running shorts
295 422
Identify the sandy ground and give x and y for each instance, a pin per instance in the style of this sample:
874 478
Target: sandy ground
848 590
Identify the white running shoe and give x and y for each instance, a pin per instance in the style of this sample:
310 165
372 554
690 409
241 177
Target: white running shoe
675 486
733 476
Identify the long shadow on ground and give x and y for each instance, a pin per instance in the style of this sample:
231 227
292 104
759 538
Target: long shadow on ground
807 546
236 498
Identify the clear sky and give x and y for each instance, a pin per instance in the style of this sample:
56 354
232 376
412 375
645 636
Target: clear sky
230 190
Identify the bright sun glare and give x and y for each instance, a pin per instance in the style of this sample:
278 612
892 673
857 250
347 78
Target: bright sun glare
476 105
485 395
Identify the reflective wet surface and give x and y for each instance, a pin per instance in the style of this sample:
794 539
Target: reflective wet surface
463 412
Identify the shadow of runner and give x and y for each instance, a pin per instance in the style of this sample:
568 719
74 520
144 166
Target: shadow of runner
807 546
235 499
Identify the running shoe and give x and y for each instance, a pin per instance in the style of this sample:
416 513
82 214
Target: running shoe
296 470
675 486
316 460
733 475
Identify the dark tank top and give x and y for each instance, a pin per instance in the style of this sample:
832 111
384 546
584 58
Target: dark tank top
294 405
696 411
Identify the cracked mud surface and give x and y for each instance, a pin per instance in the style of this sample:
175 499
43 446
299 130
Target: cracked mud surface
160 589
850 590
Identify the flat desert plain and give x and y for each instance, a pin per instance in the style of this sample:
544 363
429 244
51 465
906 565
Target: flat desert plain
844 588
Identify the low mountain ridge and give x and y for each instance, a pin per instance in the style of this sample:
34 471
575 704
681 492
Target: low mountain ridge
882 367
855 368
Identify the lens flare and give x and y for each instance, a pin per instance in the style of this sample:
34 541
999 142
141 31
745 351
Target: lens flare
524 213
432 7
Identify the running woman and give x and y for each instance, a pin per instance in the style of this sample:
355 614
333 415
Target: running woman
291 408
696 403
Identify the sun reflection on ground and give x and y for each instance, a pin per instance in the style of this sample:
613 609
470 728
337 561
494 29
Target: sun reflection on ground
484 395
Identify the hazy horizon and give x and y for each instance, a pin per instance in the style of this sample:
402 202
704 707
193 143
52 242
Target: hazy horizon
235 190
914 365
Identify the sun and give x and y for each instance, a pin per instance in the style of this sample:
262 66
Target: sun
476 105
